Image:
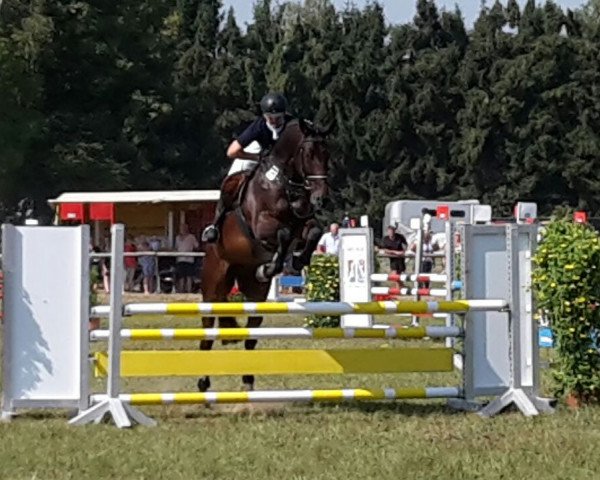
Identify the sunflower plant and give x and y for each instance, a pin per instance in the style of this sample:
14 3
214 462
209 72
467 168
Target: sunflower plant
323 285
566 282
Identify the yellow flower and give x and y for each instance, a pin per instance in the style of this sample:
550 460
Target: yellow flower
570 266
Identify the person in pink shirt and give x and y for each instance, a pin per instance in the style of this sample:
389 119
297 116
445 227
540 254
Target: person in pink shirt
131 263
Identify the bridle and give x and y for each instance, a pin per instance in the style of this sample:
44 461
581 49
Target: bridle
306 177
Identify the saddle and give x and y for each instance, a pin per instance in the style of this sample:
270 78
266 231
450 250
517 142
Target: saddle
231 188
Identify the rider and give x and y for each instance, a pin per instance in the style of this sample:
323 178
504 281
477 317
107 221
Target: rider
265 131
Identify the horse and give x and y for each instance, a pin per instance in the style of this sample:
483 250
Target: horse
276 205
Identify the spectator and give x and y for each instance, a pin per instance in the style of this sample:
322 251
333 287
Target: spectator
130 263
155 243
184 266
95 270
330 241
394 246
429 246
105 268
148 264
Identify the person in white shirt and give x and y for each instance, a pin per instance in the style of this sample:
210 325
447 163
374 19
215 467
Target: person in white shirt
184 266
330 241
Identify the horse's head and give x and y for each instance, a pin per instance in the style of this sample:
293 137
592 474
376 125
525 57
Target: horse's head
311 161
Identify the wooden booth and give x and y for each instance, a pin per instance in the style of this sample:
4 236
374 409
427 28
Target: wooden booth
153 214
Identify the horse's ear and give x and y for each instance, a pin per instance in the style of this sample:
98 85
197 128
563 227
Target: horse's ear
307 127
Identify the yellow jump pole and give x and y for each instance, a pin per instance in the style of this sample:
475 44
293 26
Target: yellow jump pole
286 396
316 308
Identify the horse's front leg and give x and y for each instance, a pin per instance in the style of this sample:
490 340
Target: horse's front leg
248 380
267 271
204 382
312 235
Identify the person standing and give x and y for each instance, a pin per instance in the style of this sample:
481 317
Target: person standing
184 266
394 246
130 262
148 264
330 241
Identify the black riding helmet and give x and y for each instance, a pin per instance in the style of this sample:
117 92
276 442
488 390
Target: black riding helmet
273 103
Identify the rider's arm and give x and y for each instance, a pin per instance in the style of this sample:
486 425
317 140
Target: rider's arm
252 133
236 150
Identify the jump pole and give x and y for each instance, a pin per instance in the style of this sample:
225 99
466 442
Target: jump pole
285 396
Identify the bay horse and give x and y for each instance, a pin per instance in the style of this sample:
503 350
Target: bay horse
275 207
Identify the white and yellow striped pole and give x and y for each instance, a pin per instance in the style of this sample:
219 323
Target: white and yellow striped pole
336 395
279 333
315 308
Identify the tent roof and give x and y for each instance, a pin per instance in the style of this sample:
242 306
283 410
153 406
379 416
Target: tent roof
138 197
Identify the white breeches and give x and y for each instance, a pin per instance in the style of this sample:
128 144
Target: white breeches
240 165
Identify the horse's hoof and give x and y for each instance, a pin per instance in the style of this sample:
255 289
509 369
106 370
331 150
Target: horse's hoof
203 384
262 275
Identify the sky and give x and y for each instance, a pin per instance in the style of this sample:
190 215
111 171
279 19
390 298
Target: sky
397 11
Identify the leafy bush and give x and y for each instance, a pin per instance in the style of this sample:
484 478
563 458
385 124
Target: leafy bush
236 296
323 285
566 281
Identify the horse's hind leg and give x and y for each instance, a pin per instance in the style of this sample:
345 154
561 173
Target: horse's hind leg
216 284
255 292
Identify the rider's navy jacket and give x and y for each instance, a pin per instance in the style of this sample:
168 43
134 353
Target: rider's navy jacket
258 131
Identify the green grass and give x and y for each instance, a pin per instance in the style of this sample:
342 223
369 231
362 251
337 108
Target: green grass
409 439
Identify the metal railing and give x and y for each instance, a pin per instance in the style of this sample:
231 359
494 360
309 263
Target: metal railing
156 255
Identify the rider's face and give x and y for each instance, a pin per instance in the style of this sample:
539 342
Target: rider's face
275 120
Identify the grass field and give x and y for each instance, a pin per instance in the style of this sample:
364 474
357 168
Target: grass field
407 440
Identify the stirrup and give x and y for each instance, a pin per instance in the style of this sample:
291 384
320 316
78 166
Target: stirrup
210 234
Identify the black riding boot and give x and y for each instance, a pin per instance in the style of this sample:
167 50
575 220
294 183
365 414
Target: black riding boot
211 232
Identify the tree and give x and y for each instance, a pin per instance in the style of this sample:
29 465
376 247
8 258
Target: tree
24 35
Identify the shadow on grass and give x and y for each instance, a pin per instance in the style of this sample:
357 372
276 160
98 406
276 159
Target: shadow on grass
405 409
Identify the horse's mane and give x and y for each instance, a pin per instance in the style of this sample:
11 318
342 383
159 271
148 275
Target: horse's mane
293 132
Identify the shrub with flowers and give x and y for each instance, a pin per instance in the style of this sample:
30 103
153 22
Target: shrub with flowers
323 285
566 282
